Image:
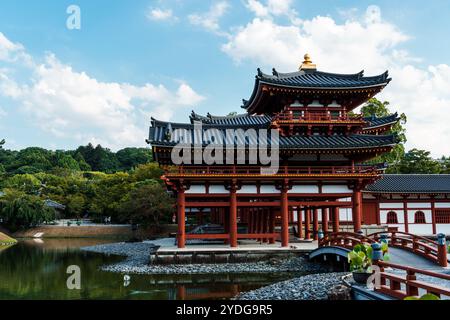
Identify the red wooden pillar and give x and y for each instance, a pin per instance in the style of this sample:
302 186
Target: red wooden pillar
291 215
325 220
265 226
308 223
316 223
272 224
433 214
299 222
284 216
233 217
181 206
357 209
405 214
335 218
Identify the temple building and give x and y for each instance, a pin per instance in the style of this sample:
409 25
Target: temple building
306 119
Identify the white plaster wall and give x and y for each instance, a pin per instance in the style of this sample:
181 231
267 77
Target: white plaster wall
248 189
196 189
304 189
269 189
419 205
443 205
400 227
443 228
335 189
421 229
217 189
345 214
391 205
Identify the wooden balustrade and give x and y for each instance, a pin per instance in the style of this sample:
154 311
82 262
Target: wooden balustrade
405 285
283 170
346 240
422 246
316 117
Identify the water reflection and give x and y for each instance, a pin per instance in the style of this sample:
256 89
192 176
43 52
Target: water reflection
37 270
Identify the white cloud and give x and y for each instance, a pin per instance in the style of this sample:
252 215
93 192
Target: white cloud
360 42
273 8
159 14
210 20
73 105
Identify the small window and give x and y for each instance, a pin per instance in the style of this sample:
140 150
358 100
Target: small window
392 217
419 217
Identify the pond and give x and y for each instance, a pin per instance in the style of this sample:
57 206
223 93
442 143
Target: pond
36 269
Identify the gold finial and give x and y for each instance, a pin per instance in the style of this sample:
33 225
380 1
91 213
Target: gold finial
307 63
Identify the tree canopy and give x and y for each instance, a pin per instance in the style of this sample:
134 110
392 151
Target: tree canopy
375 107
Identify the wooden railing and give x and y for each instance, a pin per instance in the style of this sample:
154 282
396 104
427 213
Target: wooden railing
283 170
346 240
401 286
317 117
419 245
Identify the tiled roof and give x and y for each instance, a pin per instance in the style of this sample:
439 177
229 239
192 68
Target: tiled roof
166 134
241 119
375 122
411 183
313 79
318 79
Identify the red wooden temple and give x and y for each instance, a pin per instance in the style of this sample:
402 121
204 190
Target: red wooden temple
322 148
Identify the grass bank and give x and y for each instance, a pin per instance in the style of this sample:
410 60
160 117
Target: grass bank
6 240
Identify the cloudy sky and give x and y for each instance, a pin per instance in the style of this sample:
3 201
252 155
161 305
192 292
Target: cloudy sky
132 60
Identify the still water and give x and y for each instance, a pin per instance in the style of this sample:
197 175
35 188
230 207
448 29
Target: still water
37 270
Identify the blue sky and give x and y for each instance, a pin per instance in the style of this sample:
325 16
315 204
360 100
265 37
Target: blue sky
131 60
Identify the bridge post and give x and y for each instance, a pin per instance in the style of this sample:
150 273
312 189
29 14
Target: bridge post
442 250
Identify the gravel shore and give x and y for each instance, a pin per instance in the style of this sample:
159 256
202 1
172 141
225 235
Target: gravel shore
309 287
137 257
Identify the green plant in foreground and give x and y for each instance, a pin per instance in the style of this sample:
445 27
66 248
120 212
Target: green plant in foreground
427 296
360 258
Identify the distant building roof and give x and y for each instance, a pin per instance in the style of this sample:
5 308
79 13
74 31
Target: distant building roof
54 204
411 183
375 122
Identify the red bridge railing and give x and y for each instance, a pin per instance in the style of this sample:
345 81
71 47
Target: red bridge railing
346 240
405 285
422 246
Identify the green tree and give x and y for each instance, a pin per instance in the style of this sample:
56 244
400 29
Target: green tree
23 211
129 158
147 171
375 107
26 183
418 161
148 204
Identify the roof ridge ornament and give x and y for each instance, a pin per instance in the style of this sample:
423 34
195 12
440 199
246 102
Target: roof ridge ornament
307 64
